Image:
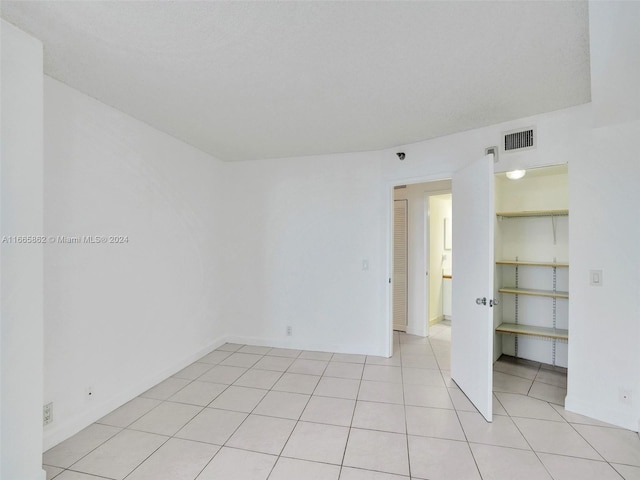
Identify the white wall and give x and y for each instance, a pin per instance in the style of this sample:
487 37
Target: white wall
605 229
302 227
21 276
121 317
301 230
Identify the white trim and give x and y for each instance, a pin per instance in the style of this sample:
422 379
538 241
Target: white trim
614 417
388 189
57 433
307 345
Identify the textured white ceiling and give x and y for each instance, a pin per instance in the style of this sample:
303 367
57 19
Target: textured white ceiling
244 80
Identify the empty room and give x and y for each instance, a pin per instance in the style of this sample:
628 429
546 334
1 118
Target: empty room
319 240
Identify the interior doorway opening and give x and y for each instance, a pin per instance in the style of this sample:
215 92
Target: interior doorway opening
421 255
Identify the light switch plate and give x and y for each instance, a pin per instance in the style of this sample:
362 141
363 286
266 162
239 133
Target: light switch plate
595 278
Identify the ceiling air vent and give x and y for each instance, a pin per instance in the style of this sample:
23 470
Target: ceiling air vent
519 139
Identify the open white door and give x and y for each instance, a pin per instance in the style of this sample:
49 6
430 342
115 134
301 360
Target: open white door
473 269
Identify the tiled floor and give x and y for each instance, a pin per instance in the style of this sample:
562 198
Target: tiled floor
255 413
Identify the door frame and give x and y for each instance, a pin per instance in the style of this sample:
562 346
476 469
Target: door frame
427 248
388 240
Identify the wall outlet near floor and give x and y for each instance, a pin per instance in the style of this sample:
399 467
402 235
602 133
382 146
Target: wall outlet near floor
289 331
47 414
625 396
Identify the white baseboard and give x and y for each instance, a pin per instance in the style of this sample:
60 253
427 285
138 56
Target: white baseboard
304 345
419 331
57 433
40 475
613 417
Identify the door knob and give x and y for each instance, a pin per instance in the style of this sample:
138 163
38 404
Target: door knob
481 301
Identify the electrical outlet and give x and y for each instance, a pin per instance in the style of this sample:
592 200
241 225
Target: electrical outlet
289 331
47 414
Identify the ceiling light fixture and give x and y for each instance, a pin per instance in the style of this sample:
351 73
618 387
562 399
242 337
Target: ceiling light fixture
516 174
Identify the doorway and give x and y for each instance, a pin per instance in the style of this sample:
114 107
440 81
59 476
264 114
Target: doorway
421 213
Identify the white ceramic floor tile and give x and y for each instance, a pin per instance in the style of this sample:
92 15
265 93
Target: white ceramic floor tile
224 374
438 459
215 357
348 358
554 437
308 413
379 451
349 473
258 379
275 363
70 475
238 359
317 442
344 370
129 412
254 349
419 361
614 444
175 460
73 449
337 387
576 418
448 381
503 382
386 417
199 393
384 392
460 401
282 404
382 373
239 399
193 371
332 411
501 432
434 422
501 463
212 426
234 464
548 393
394 361
52 471
284 352
120 455
552 377
416 349
518 367
427 396
166 419
293 469
571 468
310 355
165 389
498 409
230 347
527 407
262 434
310 367
406 338
422 376
628 472
297 383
